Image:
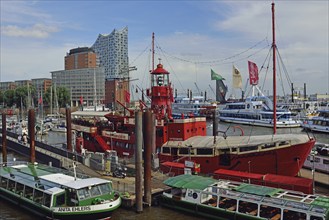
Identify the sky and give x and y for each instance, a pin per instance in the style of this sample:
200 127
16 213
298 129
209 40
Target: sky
191 38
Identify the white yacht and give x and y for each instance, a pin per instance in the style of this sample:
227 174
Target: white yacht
257 110
318 123
195 106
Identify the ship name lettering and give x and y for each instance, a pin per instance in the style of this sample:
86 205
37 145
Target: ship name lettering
82 208
64 209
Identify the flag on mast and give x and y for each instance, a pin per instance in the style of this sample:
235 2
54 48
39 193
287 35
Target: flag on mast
127 96
237 79
253 73
40 100
215 76
81 100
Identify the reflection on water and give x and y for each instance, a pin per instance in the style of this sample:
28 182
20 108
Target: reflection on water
8 211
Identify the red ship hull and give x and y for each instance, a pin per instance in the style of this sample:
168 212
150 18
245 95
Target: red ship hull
285 161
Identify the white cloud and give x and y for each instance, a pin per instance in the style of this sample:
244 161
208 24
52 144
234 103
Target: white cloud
23 12
35 31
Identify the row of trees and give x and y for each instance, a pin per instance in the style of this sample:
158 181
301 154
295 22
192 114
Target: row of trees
26 96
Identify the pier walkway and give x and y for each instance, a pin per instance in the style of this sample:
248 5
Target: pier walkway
47 154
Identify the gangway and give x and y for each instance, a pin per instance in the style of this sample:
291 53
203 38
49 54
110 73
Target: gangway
102 143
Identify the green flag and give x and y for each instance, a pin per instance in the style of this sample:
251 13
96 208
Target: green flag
215 76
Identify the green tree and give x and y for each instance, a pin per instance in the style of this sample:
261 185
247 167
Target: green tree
9 98
63 97
21 97
24 96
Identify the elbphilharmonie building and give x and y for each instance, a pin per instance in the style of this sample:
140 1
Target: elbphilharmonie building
112 51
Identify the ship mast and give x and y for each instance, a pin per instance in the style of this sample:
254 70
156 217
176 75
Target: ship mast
274 70
153 51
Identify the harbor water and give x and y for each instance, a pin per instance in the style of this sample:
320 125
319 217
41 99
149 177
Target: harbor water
8 211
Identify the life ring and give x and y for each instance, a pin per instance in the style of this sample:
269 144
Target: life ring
242 132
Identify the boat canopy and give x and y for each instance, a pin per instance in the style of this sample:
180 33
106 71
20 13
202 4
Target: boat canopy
82 183
188 181
257 190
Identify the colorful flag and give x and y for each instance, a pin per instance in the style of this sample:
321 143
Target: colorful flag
221 90
40 100
237 79
127 96
215 76
253 73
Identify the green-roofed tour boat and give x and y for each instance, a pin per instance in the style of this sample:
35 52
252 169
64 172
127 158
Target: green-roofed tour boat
52 193
221 199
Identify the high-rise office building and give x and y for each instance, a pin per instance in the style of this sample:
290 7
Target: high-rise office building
81 57
86 85
112 52
82 76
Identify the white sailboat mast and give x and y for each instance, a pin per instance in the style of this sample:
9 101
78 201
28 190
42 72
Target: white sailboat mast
274 70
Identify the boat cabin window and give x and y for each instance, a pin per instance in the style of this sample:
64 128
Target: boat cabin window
227 203
270 212
11 185
105 188
289 214
186 151
72 198
38 196
248 208
269 145
325 161
209 199
60 200
281 143
205 151
19 188
28 192
46 199
4 182
83 193
166 150
95 191
249 148
178 192
315 218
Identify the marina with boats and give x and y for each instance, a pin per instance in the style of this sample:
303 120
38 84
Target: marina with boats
185 149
